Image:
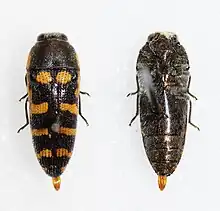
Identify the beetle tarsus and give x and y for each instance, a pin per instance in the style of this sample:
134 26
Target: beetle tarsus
132 93
23 127
23 97
85 93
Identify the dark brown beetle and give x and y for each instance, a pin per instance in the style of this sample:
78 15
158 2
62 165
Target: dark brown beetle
163 81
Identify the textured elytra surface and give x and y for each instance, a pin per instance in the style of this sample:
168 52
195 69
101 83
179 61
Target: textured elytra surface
53 81
163 76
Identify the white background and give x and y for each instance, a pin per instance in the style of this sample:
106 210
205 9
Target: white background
109 170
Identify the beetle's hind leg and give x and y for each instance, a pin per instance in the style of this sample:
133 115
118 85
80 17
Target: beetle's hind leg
137 110
136 92
80 112
132 93
190 94
85 93
137 101
23 97
26 115
190 114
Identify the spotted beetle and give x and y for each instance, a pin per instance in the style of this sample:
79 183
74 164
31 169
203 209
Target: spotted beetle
53 85
163 81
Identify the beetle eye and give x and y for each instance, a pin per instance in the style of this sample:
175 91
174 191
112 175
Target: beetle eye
150 38
175 39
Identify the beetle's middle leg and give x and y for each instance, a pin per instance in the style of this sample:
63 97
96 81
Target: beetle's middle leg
23 97
80 112
190 94
137 110
137 101
190 114
26 115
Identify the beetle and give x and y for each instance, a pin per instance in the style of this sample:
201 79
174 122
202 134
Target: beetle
53 94
163 101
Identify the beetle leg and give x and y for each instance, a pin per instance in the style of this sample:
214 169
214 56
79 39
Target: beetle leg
190 112
25 79
193 96
26 93
137 101
85 93
80 113
26 115
136 92
132 93
190 94
137 111
23 97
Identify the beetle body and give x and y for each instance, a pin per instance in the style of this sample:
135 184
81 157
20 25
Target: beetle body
53 94
163 99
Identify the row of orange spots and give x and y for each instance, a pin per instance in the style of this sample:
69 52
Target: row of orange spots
40 132
43 108
72 108
62 152
45 77
67 131
44 153
63 130
39 108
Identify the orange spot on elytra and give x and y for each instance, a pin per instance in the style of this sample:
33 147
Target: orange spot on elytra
67 131
39 108
72 108
62 152
63 77
40 132
43 77
44 153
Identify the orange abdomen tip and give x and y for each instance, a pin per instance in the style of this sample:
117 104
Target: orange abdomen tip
162 181
56 182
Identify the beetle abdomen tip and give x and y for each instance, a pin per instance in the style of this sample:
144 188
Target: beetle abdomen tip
162 181
56 182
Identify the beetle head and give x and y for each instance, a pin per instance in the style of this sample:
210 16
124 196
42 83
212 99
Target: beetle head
162 43
52 36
